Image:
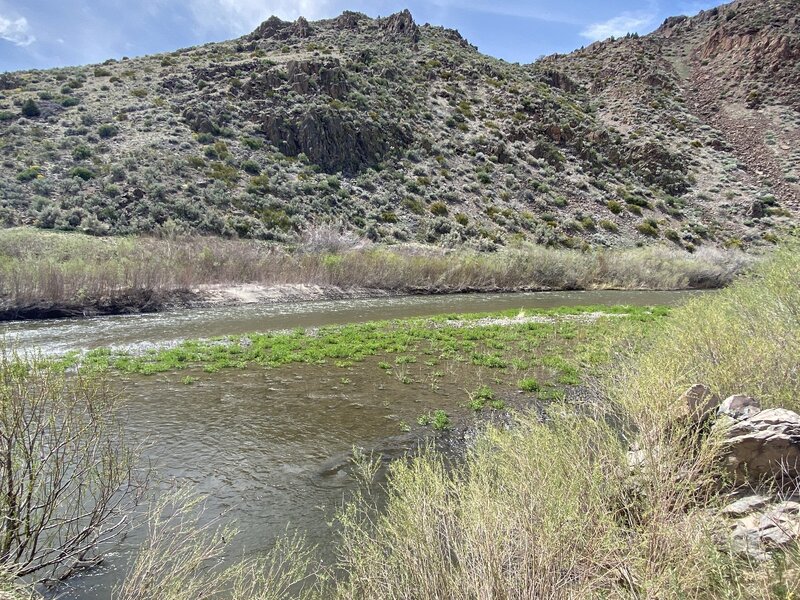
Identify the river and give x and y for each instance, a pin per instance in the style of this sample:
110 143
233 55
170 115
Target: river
270 447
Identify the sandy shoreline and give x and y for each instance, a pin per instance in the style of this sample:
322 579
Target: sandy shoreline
206 296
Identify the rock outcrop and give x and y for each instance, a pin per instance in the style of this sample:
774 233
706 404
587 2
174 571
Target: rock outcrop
336 140
761 524
401 25
760 445
760 456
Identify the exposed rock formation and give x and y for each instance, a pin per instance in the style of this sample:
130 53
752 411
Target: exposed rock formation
760 446
335 140
401 25
761 524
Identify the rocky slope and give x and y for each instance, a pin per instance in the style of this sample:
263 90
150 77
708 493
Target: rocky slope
402 132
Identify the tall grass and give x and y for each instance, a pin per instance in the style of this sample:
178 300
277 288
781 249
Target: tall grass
38 267
553 509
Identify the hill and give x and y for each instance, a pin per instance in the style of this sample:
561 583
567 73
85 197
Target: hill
402 132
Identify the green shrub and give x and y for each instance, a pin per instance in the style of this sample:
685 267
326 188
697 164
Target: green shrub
388 216
81 152
614 206
81 173
253 143
414 205
648 227
70 101
439 209
30 108
609 225
251 167
224 172
480 397
439 420
29 174
107 130
529 384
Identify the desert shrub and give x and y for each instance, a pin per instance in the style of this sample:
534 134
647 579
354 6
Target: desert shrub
414 205
253 143
609 225
81 152
107 130
224 172
439 209
29 174
30 108
81 173
648 227
251 167
388 216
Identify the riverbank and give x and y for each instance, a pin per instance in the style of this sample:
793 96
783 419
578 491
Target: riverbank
51 274
599 483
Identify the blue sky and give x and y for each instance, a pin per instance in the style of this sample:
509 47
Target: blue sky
50 33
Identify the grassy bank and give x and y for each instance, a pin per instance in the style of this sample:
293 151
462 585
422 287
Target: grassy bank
51 273
548 510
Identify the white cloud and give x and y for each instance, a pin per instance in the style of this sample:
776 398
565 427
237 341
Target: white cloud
240 16
16 31
618 26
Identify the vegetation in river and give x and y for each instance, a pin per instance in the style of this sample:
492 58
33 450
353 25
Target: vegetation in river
49 273
439 420
559 346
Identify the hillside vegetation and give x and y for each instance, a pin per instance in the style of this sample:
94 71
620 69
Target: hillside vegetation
400 132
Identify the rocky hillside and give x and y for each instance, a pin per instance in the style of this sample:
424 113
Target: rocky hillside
402 132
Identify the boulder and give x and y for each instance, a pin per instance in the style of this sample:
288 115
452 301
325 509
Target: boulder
761 447
756 210
739 407
698 402
761 526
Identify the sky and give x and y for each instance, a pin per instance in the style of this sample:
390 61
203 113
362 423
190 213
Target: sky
37 34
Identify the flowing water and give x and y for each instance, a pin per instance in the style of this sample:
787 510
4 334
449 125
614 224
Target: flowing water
270 447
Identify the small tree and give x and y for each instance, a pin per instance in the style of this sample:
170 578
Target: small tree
30 108
67 478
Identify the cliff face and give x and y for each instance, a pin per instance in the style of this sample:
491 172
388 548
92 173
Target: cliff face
398 132
732 72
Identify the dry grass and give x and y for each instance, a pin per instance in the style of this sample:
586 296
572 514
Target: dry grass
41 268
552 510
